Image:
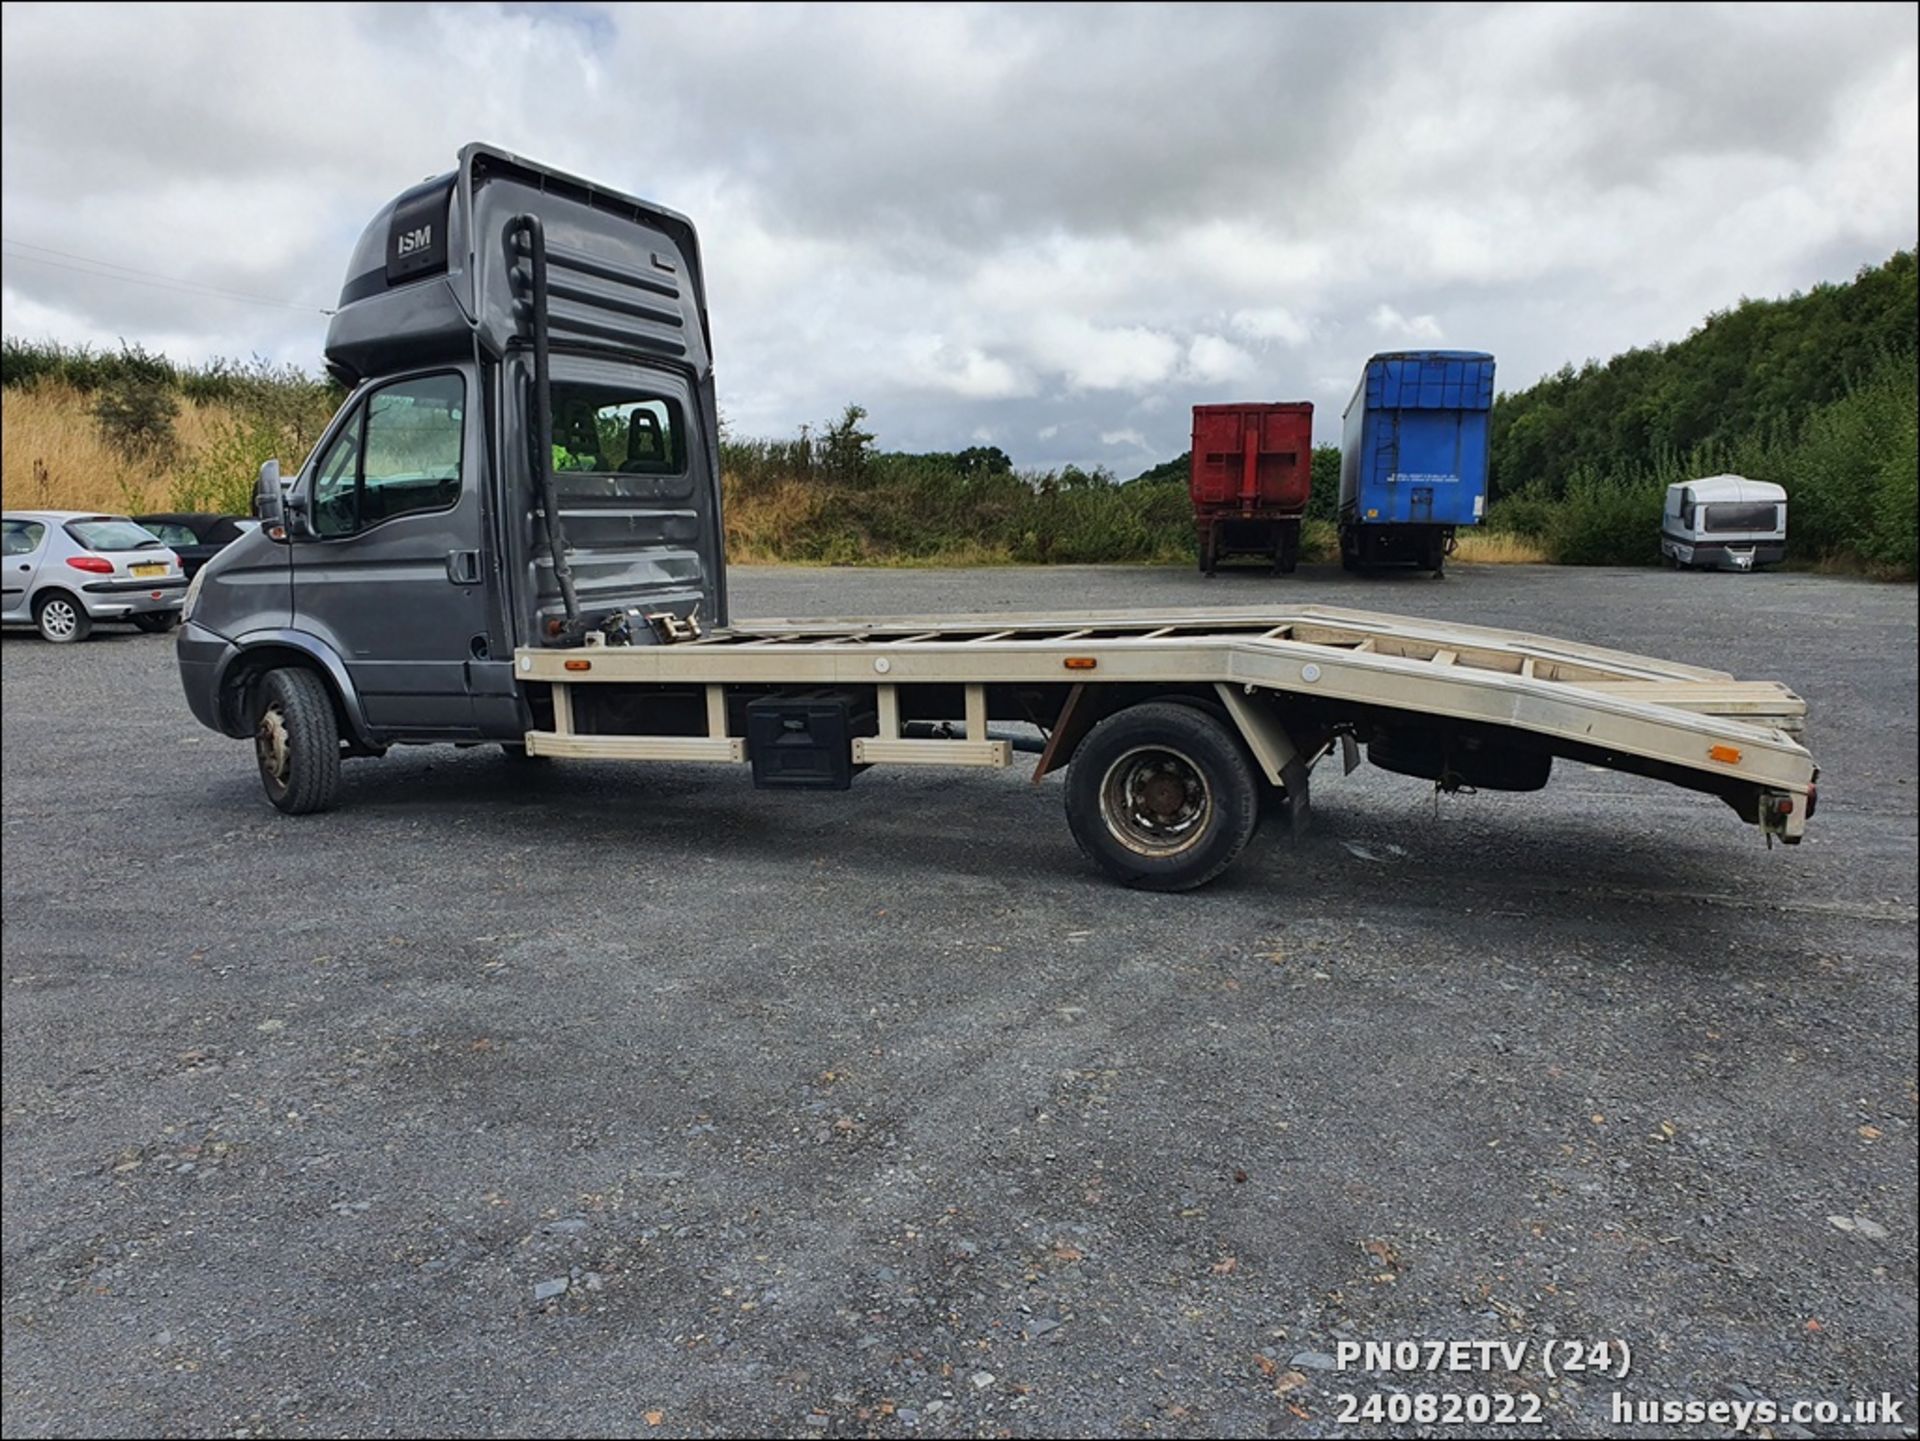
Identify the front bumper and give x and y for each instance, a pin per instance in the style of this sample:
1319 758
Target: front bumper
202 657
1744 556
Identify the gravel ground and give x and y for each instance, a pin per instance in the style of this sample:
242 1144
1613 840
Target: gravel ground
607 1099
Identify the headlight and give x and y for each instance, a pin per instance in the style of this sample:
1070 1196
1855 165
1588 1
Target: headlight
193 593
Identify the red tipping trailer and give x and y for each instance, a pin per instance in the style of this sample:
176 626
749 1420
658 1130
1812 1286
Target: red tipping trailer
1252 465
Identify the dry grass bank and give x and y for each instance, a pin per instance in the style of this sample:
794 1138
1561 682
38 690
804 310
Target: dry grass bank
53 456
1483 547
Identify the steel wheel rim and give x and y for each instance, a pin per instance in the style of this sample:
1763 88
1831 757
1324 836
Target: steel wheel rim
57 617
1156 801
270 744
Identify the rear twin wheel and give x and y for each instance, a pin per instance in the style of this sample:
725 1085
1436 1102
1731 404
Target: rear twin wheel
1161 796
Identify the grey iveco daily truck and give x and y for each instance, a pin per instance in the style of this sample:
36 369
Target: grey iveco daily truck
511 533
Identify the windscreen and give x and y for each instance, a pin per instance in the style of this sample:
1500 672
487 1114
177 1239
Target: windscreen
107 534
1742 516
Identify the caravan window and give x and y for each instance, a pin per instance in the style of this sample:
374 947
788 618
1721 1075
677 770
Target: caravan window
1742 516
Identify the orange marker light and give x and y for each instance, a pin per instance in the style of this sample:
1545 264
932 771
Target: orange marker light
1081 662
1726 755
579 665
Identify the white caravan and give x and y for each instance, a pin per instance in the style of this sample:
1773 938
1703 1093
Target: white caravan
1724 522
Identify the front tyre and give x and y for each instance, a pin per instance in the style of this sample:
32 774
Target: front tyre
1162 797
296 741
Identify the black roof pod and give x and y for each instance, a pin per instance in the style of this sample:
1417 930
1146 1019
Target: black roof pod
443 265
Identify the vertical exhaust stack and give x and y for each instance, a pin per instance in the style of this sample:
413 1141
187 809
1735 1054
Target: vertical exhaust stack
536 238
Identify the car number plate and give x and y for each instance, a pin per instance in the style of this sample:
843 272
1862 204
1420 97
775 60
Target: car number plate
149 570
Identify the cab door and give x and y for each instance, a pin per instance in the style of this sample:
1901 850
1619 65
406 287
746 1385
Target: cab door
389 570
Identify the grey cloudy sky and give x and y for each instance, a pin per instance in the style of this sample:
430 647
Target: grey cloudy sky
1051 229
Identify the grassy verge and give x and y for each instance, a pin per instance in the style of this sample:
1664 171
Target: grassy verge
1482 547
133 432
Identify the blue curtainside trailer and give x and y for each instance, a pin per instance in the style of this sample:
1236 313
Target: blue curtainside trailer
1413 456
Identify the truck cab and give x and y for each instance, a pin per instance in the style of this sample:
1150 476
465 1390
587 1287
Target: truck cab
527 454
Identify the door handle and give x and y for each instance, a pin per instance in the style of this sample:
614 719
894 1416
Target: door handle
463 567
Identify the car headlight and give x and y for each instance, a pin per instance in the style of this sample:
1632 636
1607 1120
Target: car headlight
193 594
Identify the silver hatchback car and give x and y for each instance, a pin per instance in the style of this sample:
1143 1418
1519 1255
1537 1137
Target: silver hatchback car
66 569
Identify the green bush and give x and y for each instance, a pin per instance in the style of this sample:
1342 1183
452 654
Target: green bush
1527 512
27 362
1601 521
1853 473
137 405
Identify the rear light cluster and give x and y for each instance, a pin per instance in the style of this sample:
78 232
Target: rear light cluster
91 563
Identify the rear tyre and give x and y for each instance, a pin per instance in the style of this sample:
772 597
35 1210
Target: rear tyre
158 623
1161 796
62 619
296 741
1209 553
1350 552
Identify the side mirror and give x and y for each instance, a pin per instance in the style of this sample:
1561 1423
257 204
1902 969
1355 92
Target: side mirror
269 507
279 514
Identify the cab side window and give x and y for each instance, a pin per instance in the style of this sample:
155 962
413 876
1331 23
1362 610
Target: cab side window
412 456
336 505
401 453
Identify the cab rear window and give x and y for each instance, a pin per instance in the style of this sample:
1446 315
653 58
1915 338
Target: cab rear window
606 430
110 535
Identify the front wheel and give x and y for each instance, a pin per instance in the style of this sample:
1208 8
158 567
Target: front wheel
1161 796
296 741
158 622
62 619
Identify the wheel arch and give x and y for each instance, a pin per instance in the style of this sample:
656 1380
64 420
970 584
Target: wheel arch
255 655
1258 732
45 593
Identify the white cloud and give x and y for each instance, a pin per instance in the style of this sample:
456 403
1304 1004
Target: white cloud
1272 322
1128 437
1392 324
964 370
1089 357
1047 432
1212 360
